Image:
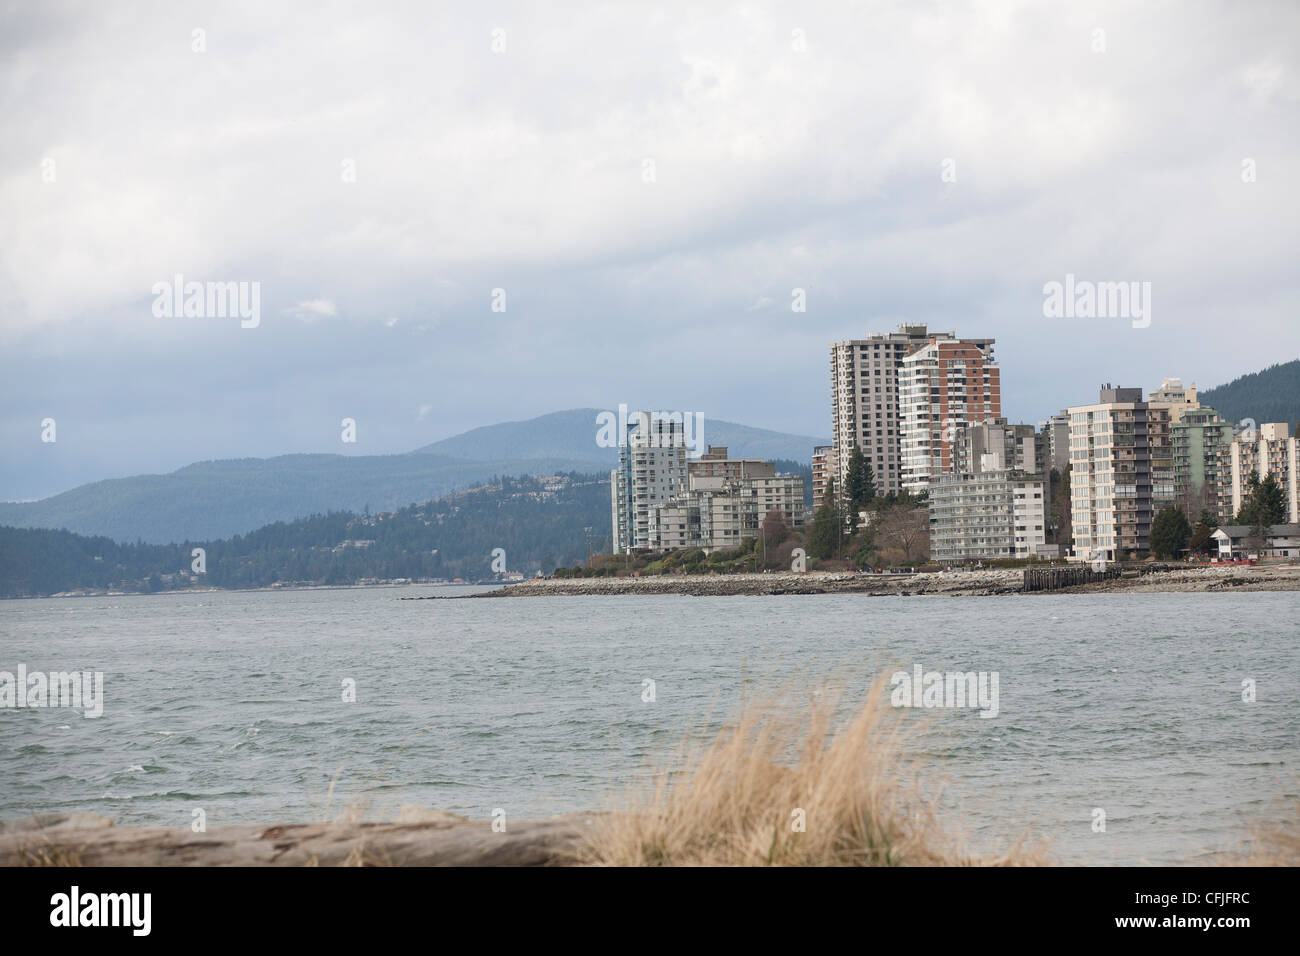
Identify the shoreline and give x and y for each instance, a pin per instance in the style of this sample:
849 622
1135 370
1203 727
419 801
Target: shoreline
268 588
981 583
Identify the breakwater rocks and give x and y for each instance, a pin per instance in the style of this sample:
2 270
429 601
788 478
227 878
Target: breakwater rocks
811 582
956 583
1194 578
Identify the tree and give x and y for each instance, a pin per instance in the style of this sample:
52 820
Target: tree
1169 532
1263 507
773 530
1263 504
905 529
824 535
1270 502
1202 536
1063 532
859 483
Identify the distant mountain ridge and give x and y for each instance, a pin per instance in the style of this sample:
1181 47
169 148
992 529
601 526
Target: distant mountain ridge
1270 395
216 499
571 434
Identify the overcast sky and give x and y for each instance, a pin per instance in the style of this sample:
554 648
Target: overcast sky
648 186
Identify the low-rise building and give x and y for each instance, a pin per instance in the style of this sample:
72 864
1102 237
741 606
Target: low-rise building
716 511
993 445
715 463
994 514
1239 541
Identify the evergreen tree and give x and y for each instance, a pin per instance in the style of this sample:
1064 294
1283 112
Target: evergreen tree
1264 503
1169 532
1270 502
824 535
859 482
1202 541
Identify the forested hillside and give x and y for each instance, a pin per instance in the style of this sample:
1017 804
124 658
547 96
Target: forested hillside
1272 395
538 522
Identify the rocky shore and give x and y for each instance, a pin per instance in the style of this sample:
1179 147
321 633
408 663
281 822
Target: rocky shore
958 583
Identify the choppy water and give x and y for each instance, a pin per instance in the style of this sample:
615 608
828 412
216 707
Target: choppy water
232 702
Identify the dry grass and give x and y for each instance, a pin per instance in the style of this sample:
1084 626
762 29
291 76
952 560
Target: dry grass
741 800
50 855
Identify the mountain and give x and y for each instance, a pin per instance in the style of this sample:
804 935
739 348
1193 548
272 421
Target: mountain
572 435
217 499
1272 395
537 525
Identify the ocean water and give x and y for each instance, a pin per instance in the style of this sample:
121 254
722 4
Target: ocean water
233 703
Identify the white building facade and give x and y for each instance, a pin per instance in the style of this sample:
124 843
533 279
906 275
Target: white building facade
653 468
865 402
717 512
944 386
1268 449
995 514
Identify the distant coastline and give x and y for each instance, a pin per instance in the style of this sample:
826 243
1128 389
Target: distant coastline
91 592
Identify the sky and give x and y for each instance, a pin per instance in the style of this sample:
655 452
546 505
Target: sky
460 214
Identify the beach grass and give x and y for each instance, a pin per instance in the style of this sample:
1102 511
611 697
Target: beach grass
791 785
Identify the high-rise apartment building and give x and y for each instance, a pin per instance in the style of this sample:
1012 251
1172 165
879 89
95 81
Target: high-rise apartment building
652 468
1173 396
944 385
823 467
1110 474
1055 433
865 402
1268 449
1199 441
1160 428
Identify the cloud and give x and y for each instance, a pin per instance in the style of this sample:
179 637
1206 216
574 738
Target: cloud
313 310
407 170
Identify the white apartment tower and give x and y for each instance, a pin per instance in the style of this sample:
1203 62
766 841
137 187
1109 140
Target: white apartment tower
1111 493
865 402
653 467
1271 448
944 386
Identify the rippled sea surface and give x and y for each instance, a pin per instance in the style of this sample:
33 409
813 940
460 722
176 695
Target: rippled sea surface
233 703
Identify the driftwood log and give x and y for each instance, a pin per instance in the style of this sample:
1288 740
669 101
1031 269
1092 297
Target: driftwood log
417 838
